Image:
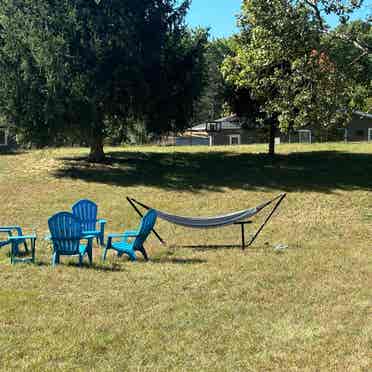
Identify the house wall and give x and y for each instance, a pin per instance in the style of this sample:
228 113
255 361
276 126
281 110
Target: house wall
192 141
357 129
246 137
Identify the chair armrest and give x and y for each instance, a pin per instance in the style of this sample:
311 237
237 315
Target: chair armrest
9 229
115 235
22 237
102 221
88 237
125 235
131 233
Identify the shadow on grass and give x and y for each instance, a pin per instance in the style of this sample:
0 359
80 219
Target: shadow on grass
211 247
10 151
321 171
178 261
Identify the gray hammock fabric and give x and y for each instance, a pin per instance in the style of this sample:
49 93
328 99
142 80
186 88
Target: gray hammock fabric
211 222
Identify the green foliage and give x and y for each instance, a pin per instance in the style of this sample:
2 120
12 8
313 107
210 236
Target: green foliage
217 92
354 63
283 67
70 67
178 82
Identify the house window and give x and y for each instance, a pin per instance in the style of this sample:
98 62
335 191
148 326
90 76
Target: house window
369 134
234 139
213 127
3 136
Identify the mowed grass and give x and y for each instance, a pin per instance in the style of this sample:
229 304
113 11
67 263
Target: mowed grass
200 303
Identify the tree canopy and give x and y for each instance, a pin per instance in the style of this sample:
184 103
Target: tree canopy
72 66
283 62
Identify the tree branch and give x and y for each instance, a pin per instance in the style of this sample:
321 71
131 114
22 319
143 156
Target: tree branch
313 4
365 48
358 58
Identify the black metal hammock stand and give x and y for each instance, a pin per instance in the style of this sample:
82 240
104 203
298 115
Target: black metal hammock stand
239 217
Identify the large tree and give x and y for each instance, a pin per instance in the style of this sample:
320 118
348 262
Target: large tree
281 63
71 66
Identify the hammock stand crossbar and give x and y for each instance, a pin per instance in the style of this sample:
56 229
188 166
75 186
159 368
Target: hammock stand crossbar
278 200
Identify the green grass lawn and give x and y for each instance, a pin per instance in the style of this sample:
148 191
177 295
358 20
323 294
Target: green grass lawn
200 304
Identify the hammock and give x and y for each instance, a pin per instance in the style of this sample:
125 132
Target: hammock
211 222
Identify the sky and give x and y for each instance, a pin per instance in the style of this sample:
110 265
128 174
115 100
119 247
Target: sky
220 15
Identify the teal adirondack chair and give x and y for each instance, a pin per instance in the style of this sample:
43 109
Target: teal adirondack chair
10 230
15 238
66 234
138 238
86 211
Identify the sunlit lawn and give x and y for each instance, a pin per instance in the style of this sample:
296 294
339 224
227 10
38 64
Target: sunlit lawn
200 303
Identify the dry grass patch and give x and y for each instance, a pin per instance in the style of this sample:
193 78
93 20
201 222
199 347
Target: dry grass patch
202 308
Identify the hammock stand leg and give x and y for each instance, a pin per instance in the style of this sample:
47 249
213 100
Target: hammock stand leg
243 239
242 227
131 202
267 220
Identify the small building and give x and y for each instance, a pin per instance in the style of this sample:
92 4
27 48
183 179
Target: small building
232 130
359 128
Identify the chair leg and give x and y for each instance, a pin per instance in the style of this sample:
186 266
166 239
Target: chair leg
144 253
132 255
80 260
26 248
104 254
55 259
90 256
15 249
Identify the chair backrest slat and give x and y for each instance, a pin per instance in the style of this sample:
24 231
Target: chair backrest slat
147 223
66 231
86 211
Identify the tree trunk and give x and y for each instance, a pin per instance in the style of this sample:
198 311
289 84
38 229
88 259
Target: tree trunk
272 138
97 154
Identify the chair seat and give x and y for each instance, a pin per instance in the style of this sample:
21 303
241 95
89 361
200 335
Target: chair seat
123 246
82 251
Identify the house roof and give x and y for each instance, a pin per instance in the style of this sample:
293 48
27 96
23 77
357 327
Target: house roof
199 128
364 114
227 119
231 122
227 122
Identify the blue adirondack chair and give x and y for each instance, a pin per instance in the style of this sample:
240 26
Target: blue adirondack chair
15 238
86 211
66 234
10 230
138 238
